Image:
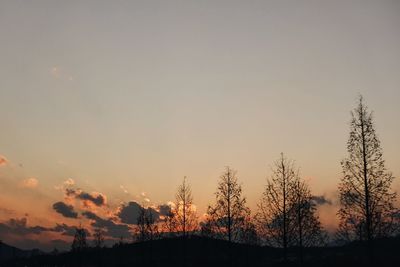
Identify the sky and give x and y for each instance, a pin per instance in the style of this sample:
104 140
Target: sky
105 104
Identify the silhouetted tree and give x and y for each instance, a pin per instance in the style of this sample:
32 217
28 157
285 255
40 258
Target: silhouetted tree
286 213
98 238
146 228
79 243
367 203
308 229
185 214
248 232
275 221
169 223
226 219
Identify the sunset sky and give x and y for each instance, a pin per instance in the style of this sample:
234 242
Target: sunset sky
103 103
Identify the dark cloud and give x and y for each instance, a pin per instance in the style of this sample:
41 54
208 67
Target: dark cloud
20 227
129 213
96 198
112 229
164 209
66 230
16 232
65 210
321 200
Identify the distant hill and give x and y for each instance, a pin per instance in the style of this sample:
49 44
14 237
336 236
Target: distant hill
197 251
8 252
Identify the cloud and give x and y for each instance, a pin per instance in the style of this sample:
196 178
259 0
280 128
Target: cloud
67 183
19 227
7 211
97 199
3 160
129 213
65 210
112 229
321 200
124 189
29 183
67 230
165 209
16 231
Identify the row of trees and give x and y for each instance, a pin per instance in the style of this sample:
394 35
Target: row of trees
286 214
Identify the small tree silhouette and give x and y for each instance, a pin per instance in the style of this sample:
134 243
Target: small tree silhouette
146 228
169 223
98 238
307 227
185 215
227 217
79 243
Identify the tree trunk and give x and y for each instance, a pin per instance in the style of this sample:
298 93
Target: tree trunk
366 189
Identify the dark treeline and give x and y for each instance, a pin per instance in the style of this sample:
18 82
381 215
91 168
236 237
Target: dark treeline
284 230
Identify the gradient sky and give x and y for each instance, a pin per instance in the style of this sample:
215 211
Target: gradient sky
127 97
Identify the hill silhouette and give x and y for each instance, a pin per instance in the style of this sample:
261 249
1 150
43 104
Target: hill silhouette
199 251
8 253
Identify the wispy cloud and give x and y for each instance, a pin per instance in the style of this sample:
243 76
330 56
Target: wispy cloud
321 200
29 183
3 160
67 183
124 189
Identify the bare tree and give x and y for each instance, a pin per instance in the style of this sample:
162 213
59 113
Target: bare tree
98 238
307 227
185 214
286 212
273 215
79 243
226 219
367 202
146 226
248 232
169 223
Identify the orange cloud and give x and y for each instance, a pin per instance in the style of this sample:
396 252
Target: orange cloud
3 160
29 183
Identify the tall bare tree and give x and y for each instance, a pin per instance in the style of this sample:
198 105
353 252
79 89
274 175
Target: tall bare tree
274 209
185 214
367 202
227 218
286 212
